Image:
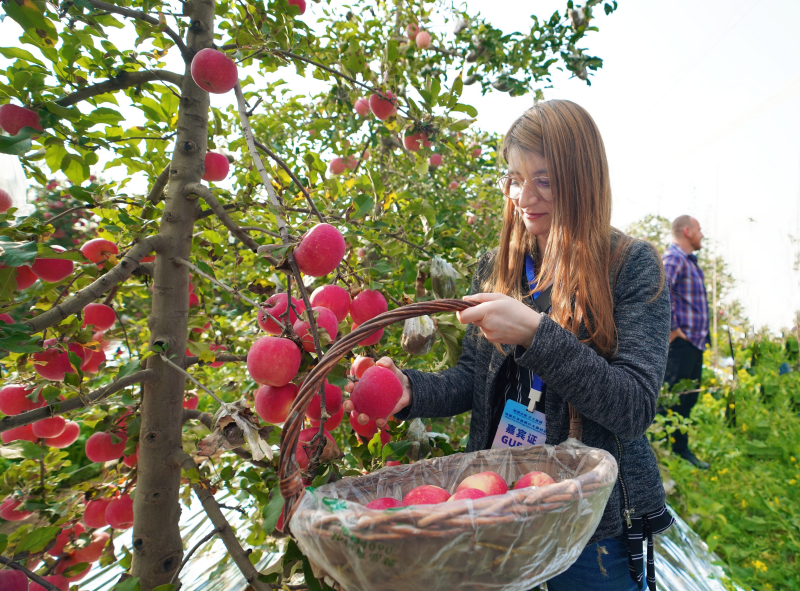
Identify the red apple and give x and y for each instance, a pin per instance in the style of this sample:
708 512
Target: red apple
199 330
367 305
24 433
53 270
133 459
276 307
5 201
415 141
6 318
467 493
13 399
213 71
148 259
471 219
476 151
272 403
384 503
333 402
69 533
377 392
193 300
219 349
384 106
351 162
14 118
325 320
534 478
334 298
306 435
52 427
412 30
360 365
337 166
190 402
25 277
368 431
217 166
68 436
435 160
394 463
13 580
320 250
273 361
334 421
99 250
58 581
101 448
10 510
453 185
423 40
94 550
102 317
92 360
362 107
489 482
301 4
425 495
119 512
95 513
374 339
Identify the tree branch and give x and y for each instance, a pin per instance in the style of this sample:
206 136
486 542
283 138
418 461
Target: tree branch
222 358
260 229
157 191
191 377
144 269
138 15
122 80
31 575
65 406
205 193
225 531
186 558
87 295
297 182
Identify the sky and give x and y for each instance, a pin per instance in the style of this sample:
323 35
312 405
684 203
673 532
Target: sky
699 106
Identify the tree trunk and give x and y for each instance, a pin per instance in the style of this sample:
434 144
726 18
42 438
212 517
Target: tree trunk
156 536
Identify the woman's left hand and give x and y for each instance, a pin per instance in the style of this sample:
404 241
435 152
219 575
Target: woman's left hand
501 318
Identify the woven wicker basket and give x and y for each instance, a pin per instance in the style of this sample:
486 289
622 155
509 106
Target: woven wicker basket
510 542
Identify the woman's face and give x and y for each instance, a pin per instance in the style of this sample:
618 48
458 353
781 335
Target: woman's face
535 200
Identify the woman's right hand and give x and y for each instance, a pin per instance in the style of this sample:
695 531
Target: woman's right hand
405 399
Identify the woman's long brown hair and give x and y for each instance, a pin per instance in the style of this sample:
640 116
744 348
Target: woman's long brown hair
578 257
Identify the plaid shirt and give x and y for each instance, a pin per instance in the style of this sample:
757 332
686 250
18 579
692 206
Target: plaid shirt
687 292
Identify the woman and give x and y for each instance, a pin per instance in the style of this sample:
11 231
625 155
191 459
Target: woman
601 347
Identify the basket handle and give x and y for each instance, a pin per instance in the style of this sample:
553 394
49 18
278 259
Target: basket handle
291 485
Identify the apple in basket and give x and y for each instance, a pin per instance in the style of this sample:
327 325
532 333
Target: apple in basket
489 482
467 493
425 495
533 479
384 503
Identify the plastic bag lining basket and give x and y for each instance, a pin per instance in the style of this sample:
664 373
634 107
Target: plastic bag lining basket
505 542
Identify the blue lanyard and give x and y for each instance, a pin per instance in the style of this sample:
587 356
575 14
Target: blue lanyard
530 271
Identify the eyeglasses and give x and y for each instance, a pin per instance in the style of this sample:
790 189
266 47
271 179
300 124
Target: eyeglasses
512 186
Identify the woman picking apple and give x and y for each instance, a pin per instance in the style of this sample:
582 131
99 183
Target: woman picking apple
570 311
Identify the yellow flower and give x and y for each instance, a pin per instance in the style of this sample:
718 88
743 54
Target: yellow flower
777 501
793 458
669 412
714 478
723 471
744 504
732 405
758 565
744 427
792 482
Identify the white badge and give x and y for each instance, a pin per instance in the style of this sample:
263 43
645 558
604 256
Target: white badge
519 428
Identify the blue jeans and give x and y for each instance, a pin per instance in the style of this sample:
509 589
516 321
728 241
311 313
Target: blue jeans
602 566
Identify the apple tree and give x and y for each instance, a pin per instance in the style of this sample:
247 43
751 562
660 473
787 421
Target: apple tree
151 344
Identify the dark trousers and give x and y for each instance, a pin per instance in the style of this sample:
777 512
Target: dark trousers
685 361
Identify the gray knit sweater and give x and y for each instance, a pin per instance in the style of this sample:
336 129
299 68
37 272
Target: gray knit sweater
617 398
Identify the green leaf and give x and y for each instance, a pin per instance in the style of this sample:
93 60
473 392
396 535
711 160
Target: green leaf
375 444
131 584
458 86
16 52
30 450
272 512
311 581
3 542
74 167
16 254
166 587
461 124
30 17
37 540
75 569
128 369
19 144
45 252
395 450
71 113
337 376
362 204
468 109
323 478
